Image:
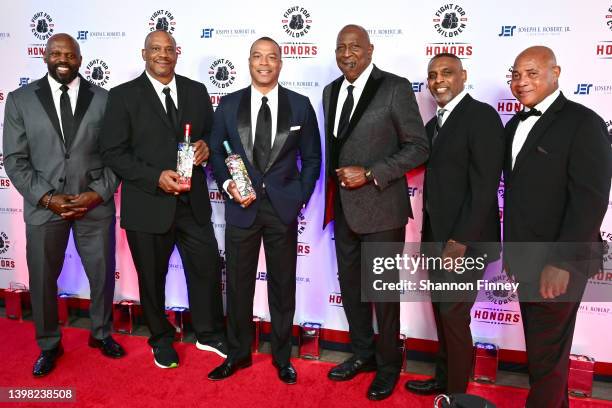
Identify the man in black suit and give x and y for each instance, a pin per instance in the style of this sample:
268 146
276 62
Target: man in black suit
460 212
557 184
269 126
141 129
374 135
51 154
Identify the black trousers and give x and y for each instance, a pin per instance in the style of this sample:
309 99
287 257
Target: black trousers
358 313
242 247
199 252
549 331
451 311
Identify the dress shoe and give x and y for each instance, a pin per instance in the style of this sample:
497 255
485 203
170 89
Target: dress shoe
108 346
427 387
382 386
228 368
287 373
165 356
45 363
350 368
217 347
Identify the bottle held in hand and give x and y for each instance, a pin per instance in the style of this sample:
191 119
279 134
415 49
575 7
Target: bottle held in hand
238 171
184 158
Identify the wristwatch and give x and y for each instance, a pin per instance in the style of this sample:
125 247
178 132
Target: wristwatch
368 175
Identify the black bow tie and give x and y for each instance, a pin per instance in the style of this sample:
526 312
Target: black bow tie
522 115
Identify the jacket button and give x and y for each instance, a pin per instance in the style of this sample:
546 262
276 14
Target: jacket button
67 156
61 180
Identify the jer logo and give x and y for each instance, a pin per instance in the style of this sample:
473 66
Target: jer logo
5 243
222 73
207 32
23 81
417 86
583 89
162 20
82 35
296 22
450 20
507 31
97 72
42 26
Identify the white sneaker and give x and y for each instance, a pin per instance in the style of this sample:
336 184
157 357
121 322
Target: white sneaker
217 347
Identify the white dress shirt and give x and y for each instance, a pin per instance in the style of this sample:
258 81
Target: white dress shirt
159 90
359 84
525 126
56 92
448 108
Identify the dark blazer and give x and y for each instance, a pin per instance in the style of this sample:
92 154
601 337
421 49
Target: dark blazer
36 158
385 134
559 187
139 142
463 173
288 187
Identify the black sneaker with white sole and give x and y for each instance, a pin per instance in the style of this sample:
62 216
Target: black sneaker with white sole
217 347
165 357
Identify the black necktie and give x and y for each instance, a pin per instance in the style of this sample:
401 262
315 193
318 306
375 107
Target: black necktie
67 116
263 136
522 115
171 109
345 115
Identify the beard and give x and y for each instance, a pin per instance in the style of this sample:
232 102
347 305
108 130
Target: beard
64 78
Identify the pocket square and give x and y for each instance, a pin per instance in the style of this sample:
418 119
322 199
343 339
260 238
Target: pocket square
294 128
541 150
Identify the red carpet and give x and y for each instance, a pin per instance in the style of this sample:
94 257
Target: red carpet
135 382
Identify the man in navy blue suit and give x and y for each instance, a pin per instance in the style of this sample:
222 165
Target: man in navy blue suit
269 126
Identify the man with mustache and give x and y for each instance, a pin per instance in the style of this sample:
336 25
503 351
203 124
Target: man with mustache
144 121
557 174
51 134
374 135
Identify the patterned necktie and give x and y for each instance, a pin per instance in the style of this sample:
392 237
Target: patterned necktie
171 110
345 114
440 115
263 136
67 116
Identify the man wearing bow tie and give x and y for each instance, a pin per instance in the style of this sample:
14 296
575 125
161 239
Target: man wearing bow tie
269 126
557 183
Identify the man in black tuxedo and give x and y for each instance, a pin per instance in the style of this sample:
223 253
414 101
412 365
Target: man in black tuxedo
460 212
557 183
51 154
269 126
374 135
140 133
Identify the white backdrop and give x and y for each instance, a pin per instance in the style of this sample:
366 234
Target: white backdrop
405 35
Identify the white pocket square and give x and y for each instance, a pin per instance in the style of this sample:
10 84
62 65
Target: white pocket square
294 128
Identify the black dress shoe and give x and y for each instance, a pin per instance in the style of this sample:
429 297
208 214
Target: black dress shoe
108 346
46 361
287 373
350 368
427 387
228 368
382 386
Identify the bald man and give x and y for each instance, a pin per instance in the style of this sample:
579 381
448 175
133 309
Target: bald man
51 154
374 135
557 183
144 121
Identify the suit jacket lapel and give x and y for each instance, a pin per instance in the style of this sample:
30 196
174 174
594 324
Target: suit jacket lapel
510 130
181 90
450 122
46 100
282 125
538 129
151 97
83 101
330 113
244 123
369 91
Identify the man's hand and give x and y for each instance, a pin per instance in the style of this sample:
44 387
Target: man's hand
79 204
200 152
351 177
553 282
56 203
453 250
168 181
233 190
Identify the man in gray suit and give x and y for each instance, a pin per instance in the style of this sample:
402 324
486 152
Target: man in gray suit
51 155
374 135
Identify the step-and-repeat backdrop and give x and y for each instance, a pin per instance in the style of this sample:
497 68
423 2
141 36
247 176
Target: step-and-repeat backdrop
213 40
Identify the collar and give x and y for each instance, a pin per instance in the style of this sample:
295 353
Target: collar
159 87
453 103
55 86
546 102
257 95
360 82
